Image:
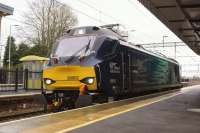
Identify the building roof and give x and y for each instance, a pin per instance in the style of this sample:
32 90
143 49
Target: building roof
33 58
5 10
181 16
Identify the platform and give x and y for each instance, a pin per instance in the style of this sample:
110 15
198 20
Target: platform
178 114
20 93
175 112
21 102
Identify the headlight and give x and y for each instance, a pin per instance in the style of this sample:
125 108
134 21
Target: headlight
89 80
48 81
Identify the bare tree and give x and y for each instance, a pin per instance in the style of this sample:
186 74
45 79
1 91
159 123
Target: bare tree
46 21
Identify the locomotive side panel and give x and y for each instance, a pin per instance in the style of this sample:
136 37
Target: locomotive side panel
132 71
174 73
145 72
109 71
158 72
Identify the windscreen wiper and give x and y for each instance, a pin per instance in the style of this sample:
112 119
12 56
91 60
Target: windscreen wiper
87 47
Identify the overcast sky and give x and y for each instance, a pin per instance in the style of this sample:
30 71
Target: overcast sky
147 28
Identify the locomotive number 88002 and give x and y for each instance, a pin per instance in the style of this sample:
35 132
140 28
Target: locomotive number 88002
90 60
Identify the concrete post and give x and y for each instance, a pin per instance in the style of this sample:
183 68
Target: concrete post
1 49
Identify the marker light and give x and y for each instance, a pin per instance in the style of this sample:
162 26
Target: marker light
55 60
80 31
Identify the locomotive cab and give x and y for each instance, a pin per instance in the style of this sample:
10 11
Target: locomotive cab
109 48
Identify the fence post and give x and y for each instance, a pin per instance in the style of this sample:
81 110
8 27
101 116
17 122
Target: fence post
16 79
42 89
26 79
44 93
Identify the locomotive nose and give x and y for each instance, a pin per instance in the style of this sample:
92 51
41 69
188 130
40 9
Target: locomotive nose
69 78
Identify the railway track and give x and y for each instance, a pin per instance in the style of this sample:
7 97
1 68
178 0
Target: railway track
24 114
20 105
24 107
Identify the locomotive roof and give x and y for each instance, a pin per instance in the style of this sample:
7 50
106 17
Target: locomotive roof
151 53
108 32
93 30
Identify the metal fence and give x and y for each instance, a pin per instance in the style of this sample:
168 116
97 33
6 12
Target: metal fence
16 80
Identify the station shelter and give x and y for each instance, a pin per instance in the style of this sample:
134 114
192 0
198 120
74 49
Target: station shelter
33 66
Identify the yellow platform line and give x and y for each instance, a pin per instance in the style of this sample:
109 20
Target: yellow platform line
148 102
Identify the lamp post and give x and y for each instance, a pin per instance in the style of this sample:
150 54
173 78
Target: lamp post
1 49
9 47
163 41
9 52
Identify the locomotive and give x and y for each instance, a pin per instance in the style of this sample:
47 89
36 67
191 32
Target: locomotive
98 60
